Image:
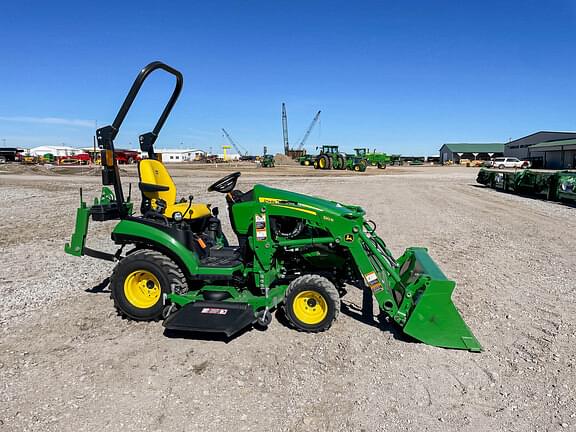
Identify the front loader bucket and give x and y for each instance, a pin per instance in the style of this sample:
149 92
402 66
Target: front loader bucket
433 318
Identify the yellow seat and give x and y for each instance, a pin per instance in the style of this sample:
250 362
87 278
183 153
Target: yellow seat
156 183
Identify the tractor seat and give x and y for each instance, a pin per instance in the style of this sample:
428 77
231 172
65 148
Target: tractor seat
156 184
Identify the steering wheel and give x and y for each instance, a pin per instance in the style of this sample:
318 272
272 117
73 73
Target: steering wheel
225 184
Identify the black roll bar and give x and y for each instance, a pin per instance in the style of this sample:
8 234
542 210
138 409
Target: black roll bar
107 134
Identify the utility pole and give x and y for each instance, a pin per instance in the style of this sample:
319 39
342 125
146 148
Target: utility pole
285 129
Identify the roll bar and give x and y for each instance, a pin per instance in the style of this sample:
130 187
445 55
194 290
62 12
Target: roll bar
106 135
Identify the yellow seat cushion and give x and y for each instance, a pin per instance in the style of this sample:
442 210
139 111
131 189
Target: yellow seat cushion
153 172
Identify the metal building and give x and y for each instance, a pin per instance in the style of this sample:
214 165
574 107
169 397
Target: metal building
519 147
473 151
554 154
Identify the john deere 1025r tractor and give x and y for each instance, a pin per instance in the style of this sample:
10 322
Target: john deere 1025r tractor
294 252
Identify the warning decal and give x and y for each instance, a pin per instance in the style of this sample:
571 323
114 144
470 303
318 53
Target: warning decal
372 281
371 278
260 223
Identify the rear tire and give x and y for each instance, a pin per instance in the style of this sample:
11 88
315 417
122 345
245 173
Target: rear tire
381 165
324 162
341 162
501 167
312 303
139 282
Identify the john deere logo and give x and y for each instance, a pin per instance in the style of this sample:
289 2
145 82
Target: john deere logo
349 238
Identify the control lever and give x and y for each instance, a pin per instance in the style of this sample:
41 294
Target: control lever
190 198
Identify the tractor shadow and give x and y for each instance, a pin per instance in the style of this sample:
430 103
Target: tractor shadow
210 337
101 288
365 315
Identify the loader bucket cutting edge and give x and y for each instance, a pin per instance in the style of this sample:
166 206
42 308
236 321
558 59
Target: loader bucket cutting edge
435 320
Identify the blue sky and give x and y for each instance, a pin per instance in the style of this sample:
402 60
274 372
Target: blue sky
401 76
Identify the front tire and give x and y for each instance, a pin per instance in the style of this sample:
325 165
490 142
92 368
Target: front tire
312 303
139 282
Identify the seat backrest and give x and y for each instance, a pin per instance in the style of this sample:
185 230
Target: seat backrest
154 173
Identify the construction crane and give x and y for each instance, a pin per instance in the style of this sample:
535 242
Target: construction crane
307 134
285 129
231 141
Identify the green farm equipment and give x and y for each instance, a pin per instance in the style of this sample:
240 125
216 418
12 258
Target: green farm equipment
381 160
306 160
295 253
331 158
550 185
267 161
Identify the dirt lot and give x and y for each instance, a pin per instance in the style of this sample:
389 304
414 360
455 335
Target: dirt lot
68 363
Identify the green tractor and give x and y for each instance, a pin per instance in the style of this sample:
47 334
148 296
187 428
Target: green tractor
381 160
294 253
267 160
331 158
306 160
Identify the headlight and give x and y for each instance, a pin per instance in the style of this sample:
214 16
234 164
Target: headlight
177 216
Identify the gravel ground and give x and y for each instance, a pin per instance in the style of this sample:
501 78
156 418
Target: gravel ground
68 363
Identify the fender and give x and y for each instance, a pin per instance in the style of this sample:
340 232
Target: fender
129 231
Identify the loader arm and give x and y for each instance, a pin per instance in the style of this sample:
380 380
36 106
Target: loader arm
412 289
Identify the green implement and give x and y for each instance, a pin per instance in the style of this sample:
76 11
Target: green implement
292 252
546 184
381 160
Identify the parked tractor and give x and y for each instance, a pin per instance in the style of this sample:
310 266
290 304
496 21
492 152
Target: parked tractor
267 161
306 159
381 160
293 252
331 158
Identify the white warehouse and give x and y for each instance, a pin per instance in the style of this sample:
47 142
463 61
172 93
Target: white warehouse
180 155
57 151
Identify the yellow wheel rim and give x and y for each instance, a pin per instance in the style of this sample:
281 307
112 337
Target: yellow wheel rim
357 168
142 289
322 163
306 163
310 307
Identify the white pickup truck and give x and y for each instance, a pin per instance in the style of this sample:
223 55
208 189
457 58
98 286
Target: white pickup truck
507 162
